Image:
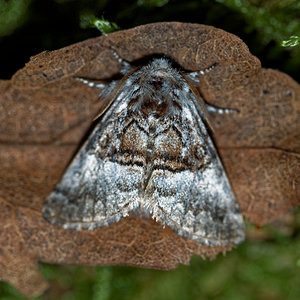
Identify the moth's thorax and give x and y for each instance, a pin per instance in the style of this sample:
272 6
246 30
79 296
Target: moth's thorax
156 128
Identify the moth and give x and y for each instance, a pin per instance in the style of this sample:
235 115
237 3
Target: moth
150 154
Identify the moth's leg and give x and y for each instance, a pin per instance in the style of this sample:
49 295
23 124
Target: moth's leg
194 76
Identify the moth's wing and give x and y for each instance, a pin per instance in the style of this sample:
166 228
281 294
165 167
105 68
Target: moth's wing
197 204
94 191
197 200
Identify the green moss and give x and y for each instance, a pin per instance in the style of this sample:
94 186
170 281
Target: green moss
12 15
293 41
273 19
88 20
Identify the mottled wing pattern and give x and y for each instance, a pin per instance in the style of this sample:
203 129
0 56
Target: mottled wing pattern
188 189
150 154
95 190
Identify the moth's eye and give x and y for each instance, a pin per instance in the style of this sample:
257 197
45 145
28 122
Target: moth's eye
156 81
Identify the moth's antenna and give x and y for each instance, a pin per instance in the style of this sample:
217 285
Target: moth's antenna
194 75
126 66
125 69
90 83
220 110
209 108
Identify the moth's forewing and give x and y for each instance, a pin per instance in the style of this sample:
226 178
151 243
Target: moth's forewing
203 111
150 153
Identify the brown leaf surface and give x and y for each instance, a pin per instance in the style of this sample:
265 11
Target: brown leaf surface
45 114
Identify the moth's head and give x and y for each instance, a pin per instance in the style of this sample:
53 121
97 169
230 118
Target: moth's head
160 73
158 83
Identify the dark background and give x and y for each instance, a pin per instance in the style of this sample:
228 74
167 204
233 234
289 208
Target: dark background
39 25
